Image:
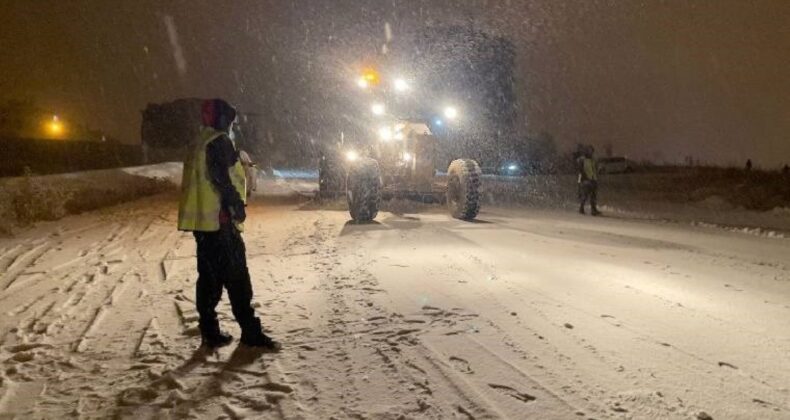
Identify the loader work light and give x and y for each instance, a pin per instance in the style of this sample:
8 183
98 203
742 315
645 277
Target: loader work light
451 113
352 155
370 76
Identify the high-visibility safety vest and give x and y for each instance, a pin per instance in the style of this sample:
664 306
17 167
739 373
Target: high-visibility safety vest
200 202
590 170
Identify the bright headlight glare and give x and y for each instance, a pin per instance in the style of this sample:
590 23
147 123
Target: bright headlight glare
401 85
377 108
351 155
385 133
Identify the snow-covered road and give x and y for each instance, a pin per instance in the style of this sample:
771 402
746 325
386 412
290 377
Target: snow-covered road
522 314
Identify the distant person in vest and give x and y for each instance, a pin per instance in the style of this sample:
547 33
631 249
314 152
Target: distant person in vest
588 180
213 197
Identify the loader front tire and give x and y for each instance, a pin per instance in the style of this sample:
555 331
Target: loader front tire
363 190
463 189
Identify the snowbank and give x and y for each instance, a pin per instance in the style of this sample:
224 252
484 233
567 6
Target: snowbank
31 198
729 202
170 171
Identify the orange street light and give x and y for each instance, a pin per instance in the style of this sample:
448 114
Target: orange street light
55 126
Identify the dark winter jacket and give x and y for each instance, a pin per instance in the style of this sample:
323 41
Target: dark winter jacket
222 155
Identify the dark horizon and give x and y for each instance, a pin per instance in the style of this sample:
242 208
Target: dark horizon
659 81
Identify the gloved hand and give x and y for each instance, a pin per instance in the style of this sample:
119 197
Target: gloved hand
237 212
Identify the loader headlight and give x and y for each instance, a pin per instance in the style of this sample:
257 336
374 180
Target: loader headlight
407 157
377 108
352 155
385 134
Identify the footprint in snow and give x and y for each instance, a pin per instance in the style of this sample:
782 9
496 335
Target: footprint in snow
461 365
511 392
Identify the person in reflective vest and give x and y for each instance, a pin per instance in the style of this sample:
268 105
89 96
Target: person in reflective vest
212 207
588 180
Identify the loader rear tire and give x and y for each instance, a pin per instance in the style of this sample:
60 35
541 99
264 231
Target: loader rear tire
363 190
463 189
331 177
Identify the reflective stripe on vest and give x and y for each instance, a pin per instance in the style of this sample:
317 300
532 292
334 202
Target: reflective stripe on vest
200 202
590 170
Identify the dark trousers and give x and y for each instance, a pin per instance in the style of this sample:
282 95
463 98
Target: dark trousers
588 191
222 262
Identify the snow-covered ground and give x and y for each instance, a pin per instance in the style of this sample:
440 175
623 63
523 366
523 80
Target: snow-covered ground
525 313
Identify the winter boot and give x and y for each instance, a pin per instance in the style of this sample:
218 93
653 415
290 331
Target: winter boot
211 336
214 341
261 341
253 336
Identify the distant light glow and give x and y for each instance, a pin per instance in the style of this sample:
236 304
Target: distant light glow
55 127
377 108
451 113
385 133
512 167
438 122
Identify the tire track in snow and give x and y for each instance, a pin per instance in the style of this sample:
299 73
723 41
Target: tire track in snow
488 271
22 262
702 371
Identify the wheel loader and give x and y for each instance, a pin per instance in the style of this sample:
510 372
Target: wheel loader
402 163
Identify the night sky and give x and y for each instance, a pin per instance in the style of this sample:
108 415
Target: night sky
656 79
